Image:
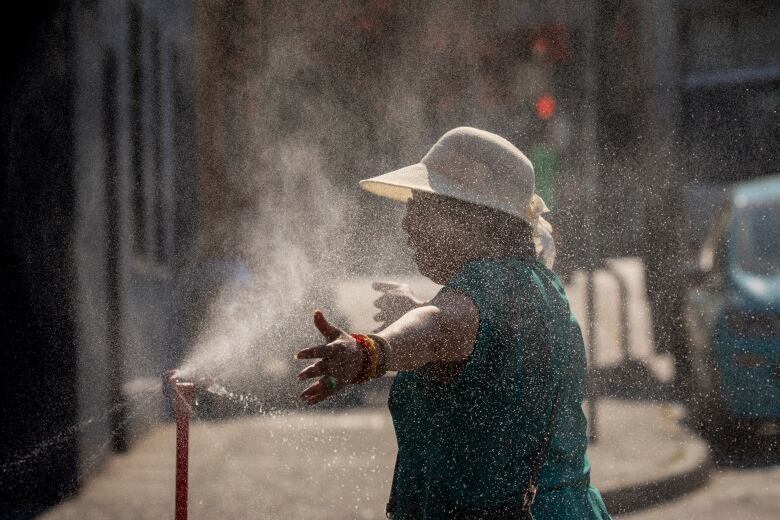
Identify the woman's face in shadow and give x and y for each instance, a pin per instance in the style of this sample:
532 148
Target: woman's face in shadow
436 237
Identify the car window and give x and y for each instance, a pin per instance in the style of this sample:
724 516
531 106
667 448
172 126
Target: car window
757 238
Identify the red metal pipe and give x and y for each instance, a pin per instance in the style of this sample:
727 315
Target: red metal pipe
184 395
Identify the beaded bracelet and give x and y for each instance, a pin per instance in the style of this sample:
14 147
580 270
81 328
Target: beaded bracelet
375 353
370 358
384 348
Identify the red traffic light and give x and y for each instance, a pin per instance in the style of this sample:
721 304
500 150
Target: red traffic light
545 106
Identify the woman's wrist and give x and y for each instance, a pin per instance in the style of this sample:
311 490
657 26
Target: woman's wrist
385 353
375 350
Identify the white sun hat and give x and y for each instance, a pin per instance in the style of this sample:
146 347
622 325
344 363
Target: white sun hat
473 166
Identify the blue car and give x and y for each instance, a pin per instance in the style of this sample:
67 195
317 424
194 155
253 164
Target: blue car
732 316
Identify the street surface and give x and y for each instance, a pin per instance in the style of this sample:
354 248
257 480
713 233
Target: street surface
322 465
316 466
747 493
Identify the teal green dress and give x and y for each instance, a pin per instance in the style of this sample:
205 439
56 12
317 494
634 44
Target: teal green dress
466 432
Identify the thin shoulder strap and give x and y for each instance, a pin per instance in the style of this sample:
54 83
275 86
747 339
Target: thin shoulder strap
541 451
392 503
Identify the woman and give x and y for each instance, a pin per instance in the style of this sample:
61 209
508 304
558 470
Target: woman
492 365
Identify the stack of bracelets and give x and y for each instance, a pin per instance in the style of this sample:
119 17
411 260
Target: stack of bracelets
375 351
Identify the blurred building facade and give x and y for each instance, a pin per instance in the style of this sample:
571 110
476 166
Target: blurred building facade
99 222
634 113
609 92
710 101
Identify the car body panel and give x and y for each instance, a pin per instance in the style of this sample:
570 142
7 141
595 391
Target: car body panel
741 367
751 391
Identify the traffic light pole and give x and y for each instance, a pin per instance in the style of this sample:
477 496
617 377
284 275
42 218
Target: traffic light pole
590 178
590 288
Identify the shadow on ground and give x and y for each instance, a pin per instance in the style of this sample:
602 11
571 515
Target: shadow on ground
630 380
746 452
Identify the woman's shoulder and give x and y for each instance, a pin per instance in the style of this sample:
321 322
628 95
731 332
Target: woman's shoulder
498 267
507 270
484 273
491 281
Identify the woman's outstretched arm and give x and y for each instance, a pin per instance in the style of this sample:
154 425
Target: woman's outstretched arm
444 330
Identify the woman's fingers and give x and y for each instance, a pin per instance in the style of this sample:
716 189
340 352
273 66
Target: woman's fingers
330 332
320 351
324 387
385 286
317 369
316 398
392 307
340 355
314 389
386 301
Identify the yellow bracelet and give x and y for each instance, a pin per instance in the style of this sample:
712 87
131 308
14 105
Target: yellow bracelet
384 349
369 346
374 357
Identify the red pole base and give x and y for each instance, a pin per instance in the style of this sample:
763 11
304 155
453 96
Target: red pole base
184 395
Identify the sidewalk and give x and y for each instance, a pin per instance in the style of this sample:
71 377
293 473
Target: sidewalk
323 465
644 455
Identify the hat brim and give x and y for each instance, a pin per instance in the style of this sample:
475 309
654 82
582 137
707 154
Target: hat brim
399 184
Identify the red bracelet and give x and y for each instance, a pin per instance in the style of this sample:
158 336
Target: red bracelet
370 358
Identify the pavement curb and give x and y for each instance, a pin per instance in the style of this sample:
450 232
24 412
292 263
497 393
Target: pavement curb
643 495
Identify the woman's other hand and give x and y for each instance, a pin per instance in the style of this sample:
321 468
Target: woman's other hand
340 361
396 300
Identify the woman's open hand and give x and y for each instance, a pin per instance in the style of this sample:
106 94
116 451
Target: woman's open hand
397 299
341 361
